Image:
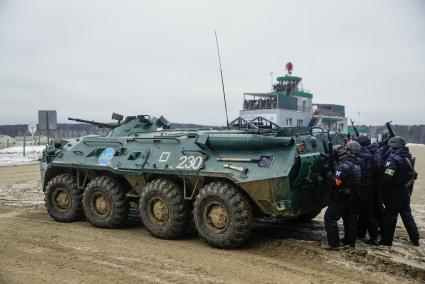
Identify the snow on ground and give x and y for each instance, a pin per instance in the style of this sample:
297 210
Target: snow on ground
415 144
26 194
14 155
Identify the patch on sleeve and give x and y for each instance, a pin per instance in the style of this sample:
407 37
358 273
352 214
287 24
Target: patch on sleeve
338 173
338 182
388 163
390 172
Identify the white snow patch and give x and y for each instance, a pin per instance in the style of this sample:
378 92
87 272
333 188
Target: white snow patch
14 155
415 145
26 194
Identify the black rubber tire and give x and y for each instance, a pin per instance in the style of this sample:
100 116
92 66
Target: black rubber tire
239 210
308 216
178 213
116 195
67 183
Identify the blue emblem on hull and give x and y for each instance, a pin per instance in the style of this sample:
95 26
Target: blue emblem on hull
106 156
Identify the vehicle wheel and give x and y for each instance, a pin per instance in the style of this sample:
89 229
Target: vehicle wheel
223 215
308 216
105 203
164 211
63 199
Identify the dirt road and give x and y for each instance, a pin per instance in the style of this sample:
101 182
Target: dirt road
34 248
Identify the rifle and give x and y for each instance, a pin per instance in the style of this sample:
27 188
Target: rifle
390 128
355 128
330 165
95 123
390 131
348 138
331 157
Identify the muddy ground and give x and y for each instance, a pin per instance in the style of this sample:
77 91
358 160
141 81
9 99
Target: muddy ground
35 249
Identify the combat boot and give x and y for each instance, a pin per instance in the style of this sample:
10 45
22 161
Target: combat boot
373 242
383 243
335 248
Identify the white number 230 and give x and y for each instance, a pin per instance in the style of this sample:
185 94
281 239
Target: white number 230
190 162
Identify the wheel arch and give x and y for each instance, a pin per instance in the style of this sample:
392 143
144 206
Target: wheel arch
255 208
52 172
80 174
205 180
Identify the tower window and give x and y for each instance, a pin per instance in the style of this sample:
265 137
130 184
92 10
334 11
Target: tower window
289 122
300 122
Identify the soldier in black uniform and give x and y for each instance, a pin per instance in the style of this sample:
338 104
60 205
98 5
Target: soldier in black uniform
397 186
378 206
346 180
384 150
366 220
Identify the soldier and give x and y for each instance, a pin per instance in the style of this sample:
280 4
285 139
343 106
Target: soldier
346 180
378 206
366 216
397 186
384 149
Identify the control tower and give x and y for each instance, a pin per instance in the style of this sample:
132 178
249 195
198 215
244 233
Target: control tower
289 105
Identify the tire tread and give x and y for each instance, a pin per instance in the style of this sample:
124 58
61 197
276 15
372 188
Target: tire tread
241 225
119 203
179 207
65 180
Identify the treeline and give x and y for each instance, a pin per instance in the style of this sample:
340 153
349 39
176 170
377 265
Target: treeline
63 130
412 133
68 130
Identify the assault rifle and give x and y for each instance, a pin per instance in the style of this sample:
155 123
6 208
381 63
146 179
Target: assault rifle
390 131
95 123
330 163
331 157
355 128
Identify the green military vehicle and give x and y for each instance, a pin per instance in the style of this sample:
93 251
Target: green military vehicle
220 179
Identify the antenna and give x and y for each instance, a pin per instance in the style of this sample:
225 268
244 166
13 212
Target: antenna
271 81
222 82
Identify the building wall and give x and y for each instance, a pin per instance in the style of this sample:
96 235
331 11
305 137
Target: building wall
270 114
278 116
334 125
299 118
304 107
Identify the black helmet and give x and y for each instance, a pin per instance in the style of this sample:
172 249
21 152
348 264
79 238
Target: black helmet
363 140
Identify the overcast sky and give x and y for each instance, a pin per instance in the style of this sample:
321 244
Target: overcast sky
89 58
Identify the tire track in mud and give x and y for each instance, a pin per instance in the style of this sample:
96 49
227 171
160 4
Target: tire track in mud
403 260
35 247
146 267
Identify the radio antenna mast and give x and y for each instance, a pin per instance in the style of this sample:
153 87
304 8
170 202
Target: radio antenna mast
222 81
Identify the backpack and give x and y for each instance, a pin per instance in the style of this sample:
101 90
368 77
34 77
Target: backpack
404 163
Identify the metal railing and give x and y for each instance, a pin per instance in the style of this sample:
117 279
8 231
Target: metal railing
259 104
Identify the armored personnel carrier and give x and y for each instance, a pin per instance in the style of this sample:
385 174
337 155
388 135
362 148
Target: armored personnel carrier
220 179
